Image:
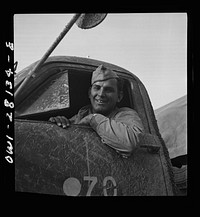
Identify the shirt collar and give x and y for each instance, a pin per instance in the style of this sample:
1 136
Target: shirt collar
112 114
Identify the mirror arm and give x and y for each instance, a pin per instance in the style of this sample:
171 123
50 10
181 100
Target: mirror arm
45 56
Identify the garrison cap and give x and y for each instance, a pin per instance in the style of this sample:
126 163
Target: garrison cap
102 73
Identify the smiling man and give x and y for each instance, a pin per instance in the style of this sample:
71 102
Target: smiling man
118 127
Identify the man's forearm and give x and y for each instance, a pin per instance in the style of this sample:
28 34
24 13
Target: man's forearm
120 136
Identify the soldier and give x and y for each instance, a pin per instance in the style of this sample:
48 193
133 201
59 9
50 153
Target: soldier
117 127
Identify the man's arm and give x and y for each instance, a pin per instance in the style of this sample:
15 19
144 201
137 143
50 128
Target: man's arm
121 133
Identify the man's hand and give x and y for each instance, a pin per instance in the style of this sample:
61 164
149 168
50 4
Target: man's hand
61 121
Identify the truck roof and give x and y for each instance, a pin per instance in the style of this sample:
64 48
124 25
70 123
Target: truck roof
74 60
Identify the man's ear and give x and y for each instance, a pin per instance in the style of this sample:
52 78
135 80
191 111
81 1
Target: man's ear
120 96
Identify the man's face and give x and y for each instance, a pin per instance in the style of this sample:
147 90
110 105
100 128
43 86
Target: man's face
104 96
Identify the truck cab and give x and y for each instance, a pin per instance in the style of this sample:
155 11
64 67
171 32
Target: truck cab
74 161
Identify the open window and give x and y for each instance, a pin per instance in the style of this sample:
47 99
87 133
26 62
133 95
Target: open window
79 84
64 92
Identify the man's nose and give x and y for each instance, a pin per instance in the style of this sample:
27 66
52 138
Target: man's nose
101 92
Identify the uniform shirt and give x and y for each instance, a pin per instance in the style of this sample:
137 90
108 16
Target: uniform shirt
120 130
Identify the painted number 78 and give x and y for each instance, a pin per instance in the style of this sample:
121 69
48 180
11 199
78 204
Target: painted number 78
72 186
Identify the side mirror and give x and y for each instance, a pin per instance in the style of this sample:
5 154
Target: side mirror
88 21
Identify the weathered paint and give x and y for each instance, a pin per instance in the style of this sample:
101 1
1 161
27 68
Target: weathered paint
74 161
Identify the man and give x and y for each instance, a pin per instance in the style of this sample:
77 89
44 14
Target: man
117 127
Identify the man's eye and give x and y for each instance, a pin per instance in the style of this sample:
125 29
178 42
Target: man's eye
95 87
109 89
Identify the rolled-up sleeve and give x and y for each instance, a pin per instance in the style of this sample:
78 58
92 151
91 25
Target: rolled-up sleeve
121 132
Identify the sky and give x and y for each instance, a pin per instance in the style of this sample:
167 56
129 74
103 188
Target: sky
153 46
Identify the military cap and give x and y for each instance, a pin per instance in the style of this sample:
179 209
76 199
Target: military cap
102 73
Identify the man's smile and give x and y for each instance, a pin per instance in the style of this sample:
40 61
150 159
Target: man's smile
101 102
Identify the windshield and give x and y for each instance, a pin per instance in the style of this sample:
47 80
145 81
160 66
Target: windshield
52 94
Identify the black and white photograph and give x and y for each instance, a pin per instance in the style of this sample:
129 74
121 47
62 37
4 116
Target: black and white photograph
100 104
